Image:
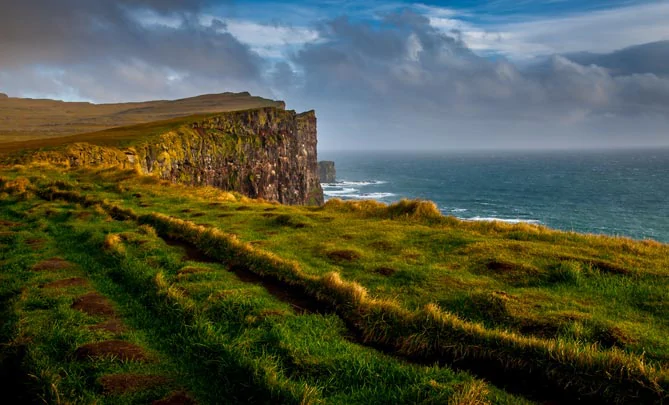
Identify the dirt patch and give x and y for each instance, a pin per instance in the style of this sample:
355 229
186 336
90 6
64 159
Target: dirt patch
145 205
83 215
613 336
112 326
117 349
117 384
8 224
191 252
294 296
269 215
385 271
186 210
243 208
516 274
68 282
270 209
55 263
197 214
176 398
540 328
35 243
343 255
224 215
93 304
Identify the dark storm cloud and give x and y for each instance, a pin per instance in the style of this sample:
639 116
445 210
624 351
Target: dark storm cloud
101 50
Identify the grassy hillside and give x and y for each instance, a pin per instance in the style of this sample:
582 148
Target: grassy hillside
25 119
205 294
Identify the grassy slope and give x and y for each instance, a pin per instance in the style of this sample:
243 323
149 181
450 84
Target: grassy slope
26 119
205 330
516 288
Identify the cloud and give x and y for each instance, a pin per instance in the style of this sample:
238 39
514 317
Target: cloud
103 52
595 31
384 80
396 81
639 59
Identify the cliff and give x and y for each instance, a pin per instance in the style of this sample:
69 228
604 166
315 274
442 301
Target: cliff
326 171
265 153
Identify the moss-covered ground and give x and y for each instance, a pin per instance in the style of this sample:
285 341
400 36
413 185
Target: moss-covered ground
225 299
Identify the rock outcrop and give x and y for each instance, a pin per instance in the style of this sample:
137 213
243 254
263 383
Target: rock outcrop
265 153
3 95
326 171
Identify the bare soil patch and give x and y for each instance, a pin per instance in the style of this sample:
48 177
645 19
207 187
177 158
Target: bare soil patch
118 349
117 384
343 255
113 326
93 304
176 398
8 224
35 243
68 282
55 263
385 271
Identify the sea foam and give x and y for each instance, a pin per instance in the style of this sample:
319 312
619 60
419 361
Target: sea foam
507 220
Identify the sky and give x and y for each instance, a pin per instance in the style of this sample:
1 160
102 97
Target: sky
395 75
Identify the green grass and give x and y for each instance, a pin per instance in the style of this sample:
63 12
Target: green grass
221 338
581 315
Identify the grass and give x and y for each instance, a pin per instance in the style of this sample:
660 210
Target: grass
581 317
208 331
31 119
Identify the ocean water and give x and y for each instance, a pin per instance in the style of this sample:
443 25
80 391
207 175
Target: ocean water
623 193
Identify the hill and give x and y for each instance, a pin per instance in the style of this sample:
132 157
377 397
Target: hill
25 119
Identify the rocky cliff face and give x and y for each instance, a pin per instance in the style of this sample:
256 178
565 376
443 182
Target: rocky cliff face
326 171
265 153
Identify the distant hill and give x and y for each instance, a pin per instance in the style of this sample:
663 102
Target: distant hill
25 119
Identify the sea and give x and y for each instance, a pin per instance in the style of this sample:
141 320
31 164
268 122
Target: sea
612 192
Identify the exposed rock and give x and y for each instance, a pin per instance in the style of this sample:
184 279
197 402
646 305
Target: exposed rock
3 95
265 153
326 171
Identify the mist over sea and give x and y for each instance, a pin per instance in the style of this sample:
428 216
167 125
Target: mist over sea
623 193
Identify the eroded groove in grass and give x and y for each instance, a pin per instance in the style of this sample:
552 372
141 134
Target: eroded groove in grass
583 372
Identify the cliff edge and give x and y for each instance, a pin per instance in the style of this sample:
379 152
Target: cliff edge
265 153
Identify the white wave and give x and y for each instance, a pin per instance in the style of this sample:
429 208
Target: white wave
459 210
366 196
345 183
507 220
340 191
